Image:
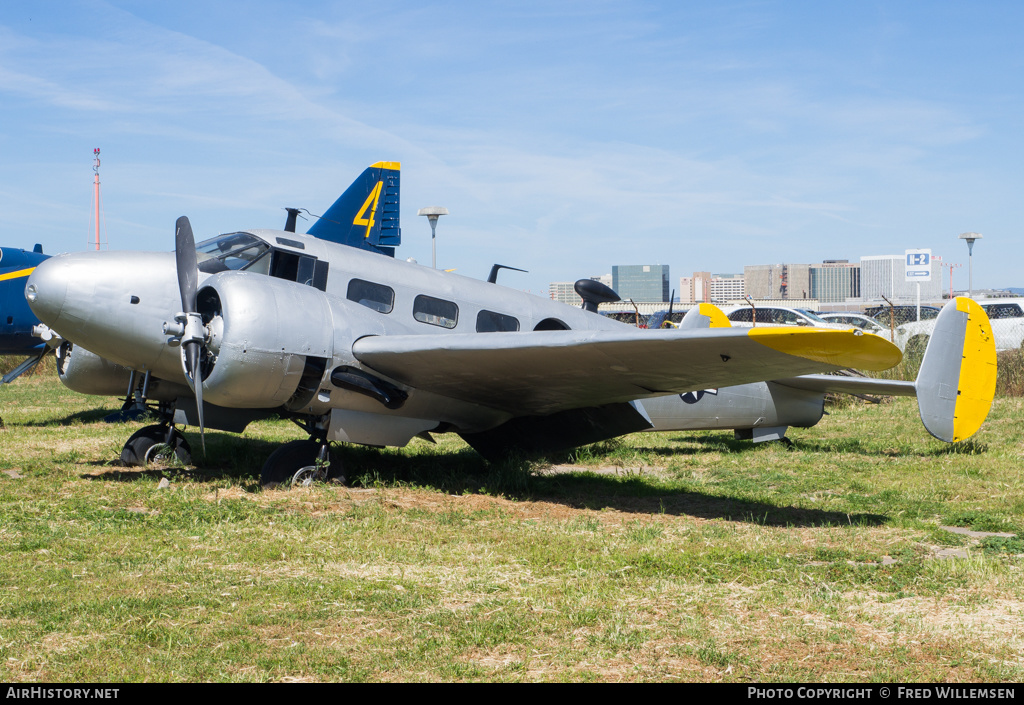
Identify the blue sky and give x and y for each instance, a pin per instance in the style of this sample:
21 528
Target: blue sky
564 137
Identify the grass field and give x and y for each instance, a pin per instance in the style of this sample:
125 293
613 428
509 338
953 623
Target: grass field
656 557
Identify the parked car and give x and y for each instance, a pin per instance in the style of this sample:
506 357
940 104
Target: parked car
857 320
777 316
1005 315
902 314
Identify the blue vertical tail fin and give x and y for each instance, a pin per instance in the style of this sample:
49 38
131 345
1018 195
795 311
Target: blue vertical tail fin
366 215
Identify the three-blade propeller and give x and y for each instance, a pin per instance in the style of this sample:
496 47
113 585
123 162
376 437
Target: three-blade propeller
192 340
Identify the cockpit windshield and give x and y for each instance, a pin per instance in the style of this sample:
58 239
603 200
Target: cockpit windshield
234 251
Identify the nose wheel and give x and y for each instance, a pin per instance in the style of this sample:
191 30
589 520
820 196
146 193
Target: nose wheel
160 443
300 464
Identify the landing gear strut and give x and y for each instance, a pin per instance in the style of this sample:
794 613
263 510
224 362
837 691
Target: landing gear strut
300 463
134 406
157 443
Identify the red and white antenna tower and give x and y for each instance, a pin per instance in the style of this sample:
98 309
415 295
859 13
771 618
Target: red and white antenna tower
96 193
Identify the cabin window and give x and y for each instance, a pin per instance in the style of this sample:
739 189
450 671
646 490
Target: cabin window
491 322
436 312
741 315
376 296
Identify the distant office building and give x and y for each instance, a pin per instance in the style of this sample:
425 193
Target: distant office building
835 281
777 281
686 290
708 287
726 287
885 275
564 292
641 282
700 287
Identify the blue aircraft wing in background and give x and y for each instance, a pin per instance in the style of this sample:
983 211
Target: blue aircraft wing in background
16 318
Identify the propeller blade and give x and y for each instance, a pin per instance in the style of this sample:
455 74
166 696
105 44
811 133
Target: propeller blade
187 263
192 351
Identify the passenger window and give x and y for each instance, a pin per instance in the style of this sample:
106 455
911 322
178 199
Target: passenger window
491 322
740 315
376 296
436 312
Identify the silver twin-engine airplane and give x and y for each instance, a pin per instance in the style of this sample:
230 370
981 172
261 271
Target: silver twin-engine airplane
329 329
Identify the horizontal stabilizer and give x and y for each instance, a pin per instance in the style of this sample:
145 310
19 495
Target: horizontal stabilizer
836 384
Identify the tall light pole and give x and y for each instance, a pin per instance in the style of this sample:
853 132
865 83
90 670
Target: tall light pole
970 237
433 213
96 192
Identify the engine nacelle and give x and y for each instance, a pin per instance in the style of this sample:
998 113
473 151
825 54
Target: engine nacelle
87 373
266 336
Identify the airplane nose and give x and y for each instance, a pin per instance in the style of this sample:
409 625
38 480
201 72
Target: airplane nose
47 289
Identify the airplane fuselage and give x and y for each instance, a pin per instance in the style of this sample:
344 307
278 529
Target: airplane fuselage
294 317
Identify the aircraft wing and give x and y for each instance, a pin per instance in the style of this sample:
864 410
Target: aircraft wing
541 373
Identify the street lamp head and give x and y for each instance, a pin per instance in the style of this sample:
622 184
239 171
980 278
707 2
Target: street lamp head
970 238
432 213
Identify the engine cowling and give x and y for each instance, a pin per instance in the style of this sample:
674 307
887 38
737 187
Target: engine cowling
87 373
266 335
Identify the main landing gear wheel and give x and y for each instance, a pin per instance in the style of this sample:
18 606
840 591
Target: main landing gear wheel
296 464
152 445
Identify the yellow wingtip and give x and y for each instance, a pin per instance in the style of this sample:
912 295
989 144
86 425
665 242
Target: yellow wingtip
842 348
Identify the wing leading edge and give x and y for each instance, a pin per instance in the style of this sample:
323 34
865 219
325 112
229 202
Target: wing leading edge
540 373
